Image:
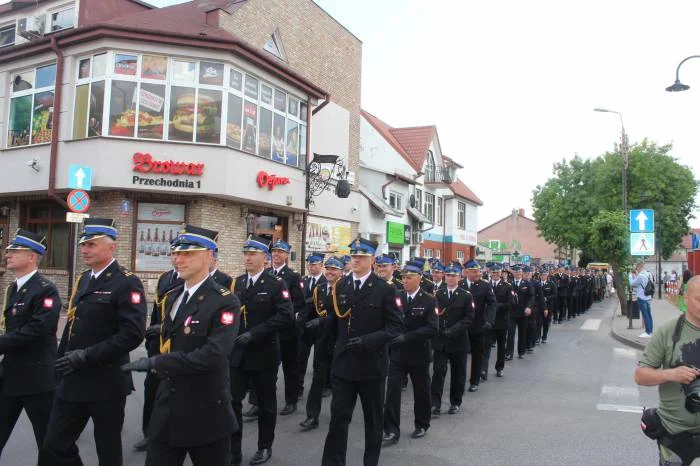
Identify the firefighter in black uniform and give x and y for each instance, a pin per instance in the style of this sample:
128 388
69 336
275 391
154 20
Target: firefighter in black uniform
166 282
199 322
505 299
315 321
563 280
438 274
531 320
573 294
28 322
266 308
547 294
410 353
455 315
365 317
289 337
219 277
520 312
426 284
384 268
314 277
106 321
484 319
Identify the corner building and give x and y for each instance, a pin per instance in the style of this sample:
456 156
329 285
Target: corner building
180 120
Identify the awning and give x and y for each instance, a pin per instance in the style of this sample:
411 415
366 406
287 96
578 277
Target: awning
418 215
377 202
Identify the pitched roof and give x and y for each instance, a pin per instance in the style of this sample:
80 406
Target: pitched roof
448 162
415 141
462 190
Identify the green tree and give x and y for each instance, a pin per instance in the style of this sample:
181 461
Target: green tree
580 207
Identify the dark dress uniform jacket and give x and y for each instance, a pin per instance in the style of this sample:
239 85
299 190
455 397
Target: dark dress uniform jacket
308 296
505 299
563 285
427 285
420 326
268 309
193 404
526 298
223 279
484 306
457 315
166 282
317 307
546 295
375 316
296 291
29 342
397 284
110 319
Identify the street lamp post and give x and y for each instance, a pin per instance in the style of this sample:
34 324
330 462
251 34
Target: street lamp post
624 152
677 86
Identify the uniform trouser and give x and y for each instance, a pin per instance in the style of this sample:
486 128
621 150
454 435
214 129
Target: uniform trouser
519 323
150 388
264 384
211 454
319 380
573 308
531 332
420 381
458 376
38 408
303 352
546 321
289 349
499 336
68 419
562 305
345 393
539 322
476 341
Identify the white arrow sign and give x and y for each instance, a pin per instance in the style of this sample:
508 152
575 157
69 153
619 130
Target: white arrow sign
80 176
641 217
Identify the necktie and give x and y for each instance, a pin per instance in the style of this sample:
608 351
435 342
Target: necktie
357 285
449 294
409 300
250 282
185 297
275 272
93 279
313 282
494 284
13 293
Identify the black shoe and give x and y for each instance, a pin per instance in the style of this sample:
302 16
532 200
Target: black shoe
530 351
261 456
418 433
300 394
499 373
537 342
325 393
142 445
520 356
484 376
252 412
288 409
309 423
435 411
454 409
390 439
544 340
473 388
509 357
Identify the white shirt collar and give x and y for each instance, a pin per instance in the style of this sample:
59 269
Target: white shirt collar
191 291
452 290
99 272
413 295
194 288
362 279
279 269
317 277
255 277
211 274
21 281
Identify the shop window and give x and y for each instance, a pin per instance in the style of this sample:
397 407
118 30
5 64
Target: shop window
50 220
461 215
31 106
7 35
157 225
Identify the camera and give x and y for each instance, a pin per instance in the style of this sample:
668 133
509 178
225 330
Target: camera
692 396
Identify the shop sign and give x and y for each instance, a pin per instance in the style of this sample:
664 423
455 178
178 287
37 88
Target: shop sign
395 233
265 179
145 164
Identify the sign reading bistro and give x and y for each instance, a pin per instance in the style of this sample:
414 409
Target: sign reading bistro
144 163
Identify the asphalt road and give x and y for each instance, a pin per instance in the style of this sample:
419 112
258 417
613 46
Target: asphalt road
573 402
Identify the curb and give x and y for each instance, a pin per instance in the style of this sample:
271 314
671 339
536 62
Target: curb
622 339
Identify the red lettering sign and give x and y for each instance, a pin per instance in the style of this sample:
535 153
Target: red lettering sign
264 179
144 163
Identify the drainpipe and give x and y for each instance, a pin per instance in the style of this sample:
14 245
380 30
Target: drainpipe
56 124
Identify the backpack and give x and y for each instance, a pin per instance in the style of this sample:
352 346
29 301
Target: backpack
649 288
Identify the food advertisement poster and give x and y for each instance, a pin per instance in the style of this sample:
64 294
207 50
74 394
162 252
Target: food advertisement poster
157 226
153 67
125 64
250 124
328 236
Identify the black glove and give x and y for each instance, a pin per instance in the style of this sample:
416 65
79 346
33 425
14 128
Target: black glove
488 326
299 317
140 365
354 344
446 333
71 361
398 340
153 331
243 339
312 324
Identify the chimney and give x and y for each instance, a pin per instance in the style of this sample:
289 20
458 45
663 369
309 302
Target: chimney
521 212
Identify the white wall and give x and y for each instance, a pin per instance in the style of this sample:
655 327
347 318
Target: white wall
377 153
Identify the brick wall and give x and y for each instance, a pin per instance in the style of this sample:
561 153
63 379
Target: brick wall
517 227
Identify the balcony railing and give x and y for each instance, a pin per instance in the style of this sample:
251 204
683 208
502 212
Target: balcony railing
437 175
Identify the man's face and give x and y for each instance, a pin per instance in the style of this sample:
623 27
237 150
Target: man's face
191 264
279 258
451 280
411 281
361 265
473 275
254 261
97 252
19 260
545 276
384 270
314 269
495 275
438 276
332 274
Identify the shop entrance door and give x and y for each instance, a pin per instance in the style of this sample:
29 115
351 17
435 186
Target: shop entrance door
270 227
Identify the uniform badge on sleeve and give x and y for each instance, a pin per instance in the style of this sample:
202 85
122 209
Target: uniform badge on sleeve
48 303
398 302
227 318
135 297
285 294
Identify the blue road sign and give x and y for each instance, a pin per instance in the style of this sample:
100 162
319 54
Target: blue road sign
78 201
80 177
525 259
642 244
641 221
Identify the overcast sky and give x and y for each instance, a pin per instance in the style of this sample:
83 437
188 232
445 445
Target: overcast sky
511 85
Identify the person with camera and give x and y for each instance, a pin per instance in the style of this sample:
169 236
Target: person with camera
639 279
671 361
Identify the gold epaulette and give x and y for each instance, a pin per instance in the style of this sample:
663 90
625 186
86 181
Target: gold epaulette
224 291
126 272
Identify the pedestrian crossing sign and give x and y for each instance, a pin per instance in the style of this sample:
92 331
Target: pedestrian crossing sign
642 244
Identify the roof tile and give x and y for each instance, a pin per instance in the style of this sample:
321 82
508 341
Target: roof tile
462 190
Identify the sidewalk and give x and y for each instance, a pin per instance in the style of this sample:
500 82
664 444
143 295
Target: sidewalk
661 312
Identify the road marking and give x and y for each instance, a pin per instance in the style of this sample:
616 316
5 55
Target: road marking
591 324
619 408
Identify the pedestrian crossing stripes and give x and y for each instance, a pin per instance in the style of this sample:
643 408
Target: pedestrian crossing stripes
591 324
619 394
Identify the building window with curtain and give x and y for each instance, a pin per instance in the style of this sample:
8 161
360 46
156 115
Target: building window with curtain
49 219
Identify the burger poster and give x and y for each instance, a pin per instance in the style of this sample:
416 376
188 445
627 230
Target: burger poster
183 120
328 236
